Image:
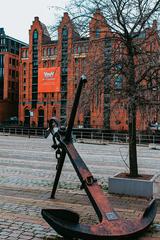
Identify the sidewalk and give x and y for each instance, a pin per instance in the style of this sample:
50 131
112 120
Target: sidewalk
27 169
20 212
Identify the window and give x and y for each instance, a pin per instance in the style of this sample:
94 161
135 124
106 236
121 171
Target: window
55 50
13 73
34 96
83 49
118 66
97 33
34 88
118 76
118 81
12 85
45 64
35 63
54 112
13 62
64 33
26 53
52 63
23 54
24 66
49 51
35 48
35 55
79 49
17 74
75 49
52 51
35 36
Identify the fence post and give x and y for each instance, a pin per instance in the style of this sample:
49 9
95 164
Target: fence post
29 133
139 138
81 134
153 139
114 137
91 135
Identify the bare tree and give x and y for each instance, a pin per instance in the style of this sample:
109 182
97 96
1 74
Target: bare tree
134 54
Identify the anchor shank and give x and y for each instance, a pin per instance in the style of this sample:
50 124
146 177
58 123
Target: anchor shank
83 80
99 201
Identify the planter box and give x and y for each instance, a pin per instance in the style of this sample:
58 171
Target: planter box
123 184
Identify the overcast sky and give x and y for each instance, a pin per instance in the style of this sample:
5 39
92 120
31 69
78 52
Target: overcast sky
16 16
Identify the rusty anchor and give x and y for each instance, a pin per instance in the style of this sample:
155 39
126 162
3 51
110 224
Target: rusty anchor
66 222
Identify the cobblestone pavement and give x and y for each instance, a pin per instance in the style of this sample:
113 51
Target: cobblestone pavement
27 169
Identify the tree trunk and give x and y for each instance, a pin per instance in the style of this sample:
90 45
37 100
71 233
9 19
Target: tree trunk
132 139
132 113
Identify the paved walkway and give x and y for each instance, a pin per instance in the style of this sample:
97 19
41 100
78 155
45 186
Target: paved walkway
27 169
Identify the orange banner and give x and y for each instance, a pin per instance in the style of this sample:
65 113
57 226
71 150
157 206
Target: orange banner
49 79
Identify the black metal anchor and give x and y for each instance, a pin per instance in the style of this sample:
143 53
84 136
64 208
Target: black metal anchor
66 222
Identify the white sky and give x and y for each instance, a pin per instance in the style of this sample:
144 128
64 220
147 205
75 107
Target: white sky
16 16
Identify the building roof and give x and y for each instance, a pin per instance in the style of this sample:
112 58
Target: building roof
45 30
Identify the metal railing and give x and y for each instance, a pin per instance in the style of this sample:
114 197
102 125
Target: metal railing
94 135
116 137
22 131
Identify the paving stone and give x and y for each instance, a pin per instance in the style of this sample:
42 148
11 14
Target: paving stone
27 170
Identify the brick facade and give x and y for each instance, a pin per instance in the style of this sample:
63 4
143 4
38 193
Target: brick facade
74 56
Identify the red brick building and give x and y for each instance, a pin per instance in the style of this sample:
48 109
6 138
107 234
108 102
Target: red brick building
38 104
9 76
63 62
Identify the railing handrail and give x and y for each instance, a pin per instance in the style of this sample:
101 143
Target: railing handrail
91 134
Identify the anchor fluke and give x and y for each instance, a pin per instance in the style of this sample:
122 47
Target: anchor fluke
66 223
